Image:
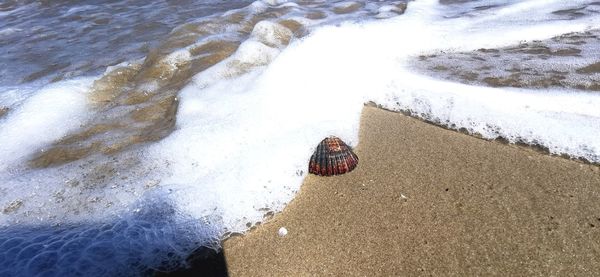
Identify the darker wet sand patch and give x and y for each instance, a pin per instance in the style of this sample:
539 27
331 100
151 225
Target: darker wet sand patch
592 68
315 15
571 13
12 206
296 27
3 111
552 63
345 8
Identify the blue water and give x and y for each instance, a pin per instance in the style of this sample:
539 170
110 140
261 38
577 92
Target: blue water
46 40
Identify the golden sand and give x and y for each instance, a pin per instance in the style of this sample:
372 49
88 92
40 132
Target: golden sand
428 201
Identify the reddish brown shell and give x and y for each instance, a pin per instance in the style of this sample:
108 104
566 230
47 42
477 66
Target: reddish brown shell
332 157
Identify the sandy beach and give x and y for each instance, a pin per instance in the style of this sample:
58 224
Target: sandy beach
429 201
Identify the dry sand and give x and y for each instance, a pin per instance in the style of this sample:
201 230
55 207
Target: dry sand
472 207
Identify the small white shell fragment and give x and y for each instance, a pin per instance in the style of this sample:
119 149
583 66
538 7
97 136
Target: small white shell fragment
282 231
403 198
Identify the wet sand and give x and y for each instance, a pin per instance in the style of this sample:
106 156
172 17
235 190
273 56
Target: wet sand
428 201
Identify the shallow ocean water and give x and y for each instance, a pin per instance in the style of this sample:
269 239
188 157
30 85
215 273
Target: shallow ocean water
132 133
55 40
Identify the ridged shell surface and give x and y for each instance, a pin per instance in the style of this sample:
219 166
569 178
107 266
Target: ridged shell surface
332 157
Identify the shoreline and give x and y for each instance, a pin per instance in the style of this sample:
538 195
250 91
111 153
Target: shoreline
530 147
427 200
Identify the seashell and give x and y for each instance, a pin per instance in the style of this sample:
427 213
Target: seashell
332 157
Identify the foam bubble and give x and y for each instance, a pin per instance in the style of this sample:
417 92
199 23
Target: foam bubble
271 34
44 117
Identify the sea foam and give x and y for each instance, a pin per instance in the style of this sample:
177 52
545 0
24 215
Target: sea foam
48 115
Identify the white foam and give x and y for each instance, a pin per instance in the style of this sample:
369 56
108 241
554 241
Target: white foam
562 122
9 31
258 50
13 96
271 33
44 117
275 2
177 58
